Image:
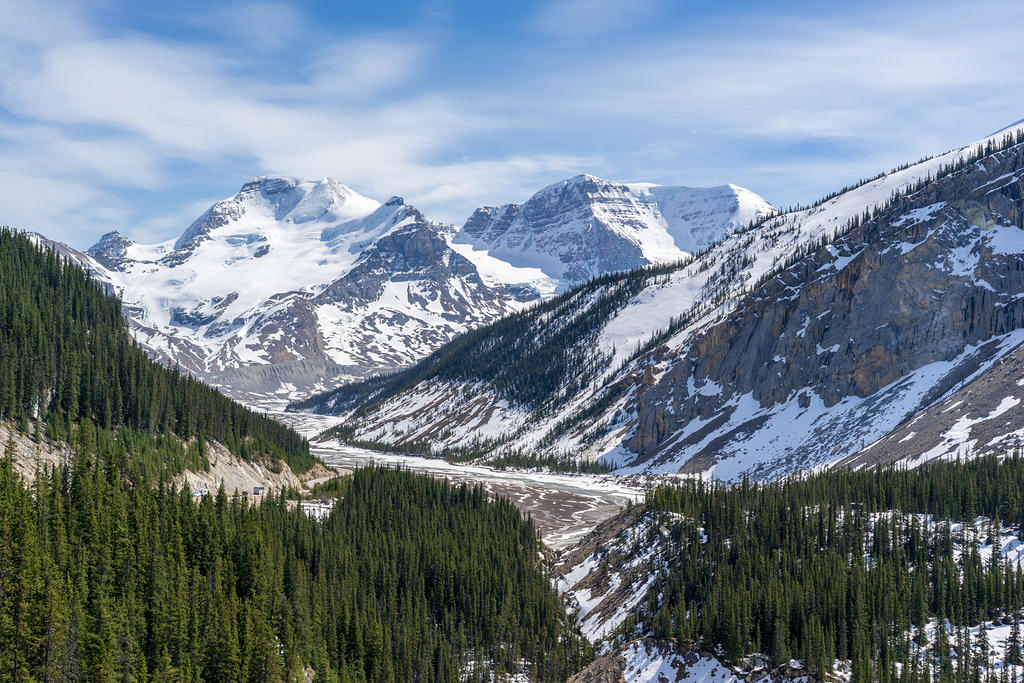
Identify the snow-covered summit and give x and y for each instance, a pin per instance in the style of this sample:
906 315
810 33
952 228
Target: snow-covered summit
697 217
585 226
307 278
111 249
280 199
267 239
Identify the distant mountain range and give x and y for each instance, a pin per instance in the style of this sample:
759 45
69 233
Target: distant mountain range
294 286
884 323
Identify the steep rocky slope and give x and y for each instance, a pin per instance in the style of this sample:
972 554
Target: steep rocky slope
662 661
855 338
794 344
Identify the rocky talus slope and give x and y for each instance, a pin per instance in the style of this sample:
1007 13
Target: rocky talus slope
650 660
933 284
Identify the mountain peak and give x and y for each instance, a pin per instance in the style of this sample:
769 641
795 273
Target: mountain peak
269 184
281 199
581 180
584 226
111 237
586 178
110 249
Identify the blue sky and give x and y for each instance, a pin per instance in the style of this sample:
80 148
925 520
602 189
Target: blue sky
139 115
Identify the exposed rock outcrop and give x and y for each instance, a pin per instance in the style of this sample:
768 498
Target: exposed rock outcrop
937 273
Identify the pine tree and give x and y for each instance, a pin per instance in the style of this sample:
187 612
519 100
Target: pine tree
1013 649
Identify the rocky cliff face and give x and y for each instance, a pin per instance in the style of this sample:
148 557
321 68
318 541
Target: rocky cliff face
412 280
934 283
112 250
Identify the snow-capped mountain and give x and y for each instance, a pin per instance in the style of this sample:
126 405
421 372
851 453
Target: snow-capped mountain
885 322
584 227
293 286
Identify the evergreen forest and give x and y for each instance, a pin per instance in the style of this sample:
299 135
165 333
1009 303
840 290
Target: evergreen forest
108 576
865 566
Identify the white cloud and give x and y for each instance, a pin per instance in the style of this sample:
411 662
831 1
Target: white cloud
154 102
31 201
896 84
36 24
815 80
254 25
97 124
366 65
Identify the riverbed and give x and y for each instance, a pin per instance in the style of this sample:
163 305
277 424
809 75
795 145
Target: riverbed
565 507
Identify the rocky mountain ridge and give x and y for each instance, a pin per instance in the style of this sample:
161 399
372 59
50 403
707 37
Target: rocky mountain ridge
795 344
584 227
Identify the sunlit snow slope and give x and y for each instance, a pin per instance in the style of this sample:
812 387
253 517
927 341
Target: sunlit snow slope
585 226
290 285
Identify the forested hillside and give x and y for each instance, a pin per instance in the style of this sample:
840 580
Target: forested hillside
66 356
409 579
109 572
890 569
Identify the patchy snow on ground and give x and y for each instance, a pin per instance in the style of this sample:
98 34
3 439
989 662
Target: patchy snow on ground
701 291
602 590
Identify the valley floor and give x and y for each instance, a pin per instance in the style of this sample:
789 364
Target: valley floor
565 507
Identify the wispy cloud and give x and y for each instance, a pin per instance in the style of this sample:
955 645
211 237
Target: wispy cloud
257 25
101 113
367 65
895 85
102 123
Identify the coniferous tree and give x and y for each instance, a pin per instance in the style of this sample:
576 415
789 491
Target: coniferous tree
1013 646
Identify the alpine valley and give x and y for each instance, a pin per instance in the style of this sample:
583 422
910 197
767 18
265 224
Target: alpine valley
882 324
826 406
618 432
